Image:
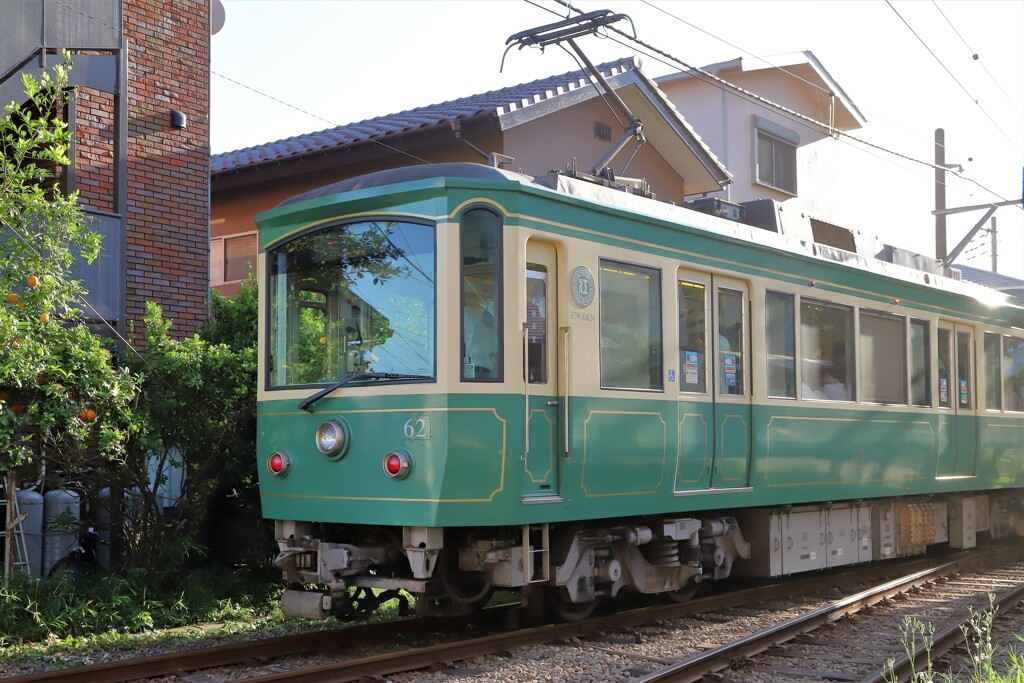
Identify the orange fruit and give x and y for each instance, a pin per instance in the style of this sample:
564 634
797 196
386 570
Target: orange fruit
32 281
90 414
44 318
16 409
323 340
12 298
83 413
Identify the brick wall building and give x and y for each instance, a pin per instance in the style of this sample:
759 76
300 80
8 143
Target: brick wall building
140 118
168 167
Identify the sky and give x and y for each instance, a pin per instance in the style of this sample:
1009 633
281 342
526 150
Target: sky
908 65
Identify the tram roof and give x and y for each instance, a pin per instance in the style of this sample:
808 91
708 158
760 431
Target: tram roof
404 174
681 215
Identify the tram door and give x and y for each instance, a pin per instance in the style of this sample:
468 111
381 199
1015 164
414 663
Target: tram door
731 383
544 424
958 433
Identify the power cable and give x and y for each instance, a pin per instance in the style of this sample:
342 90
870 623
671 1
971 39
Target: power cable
758 100
955 79
974 55
913 131
736 47
315 116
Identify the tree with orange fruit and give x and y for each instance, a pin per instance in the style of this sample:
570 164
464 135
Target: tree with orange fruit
62 397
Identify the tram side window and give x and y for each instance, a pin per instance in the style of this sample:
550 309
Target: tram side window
964 364
945 367
536 324
883 372
920 367
993 357
480 244
631 340
780 338
730 342
826 332
692 337
1013 374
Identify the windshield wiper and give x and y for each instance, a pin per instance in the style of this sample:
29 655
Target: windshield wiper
307 405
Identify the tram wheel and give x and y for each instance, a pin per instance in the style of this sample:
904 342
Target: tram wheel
684 594
564 608
472 589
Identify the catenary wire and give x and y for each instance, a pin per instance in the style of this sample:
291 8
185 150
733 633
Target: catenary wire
977 58
660 55
955 79
315 116
881 117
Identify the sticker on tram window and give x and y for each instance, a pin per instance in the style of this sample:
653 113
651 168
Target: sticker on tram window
943 390
730 370
690 367
417 428
965 397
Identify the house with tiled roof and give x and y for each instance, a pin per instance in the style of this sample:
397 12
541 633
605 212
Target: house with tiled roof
533 127
771 121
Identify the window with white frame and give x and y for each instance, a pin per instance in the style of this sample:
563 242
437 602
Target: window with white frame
775 155
231 258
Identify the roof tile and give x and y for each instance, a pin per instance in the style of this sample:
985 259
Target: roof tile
496 101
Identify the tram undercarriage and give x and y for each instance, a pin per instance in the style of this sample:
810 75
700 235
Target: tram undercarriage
577 565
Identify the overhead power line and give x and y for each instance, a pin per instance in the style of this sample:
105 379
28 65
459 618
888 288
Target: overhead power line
309 114
955 79
719 82
977 58
913 131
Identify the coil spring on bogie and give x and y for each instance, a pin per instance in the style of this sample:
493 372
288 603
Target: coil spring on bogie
661 552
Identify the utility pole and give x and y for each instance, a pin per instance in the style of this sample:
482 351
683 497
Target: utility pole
944 258
940 195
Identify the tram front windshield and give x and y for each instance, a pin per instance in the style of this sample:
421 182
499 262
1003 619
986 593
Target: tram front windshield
350 299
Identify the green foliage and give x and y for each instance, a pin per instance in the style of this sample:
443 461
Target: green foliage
59 390
918 638
74 613
978 640
233 318
197 413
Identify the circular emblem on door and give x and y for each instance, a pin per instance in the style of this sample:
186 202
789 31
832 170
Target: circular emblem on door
581 284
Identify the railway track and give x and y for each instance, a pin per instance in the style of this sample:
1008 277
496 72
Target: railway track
862 647
640 639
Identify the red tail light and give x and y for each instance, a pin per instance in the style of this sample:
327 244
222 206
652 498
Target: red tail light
397 464
278 463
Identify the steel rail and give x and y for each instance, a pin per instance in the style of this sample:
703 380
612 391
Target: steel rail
501 617
262 648
942 642
697 666
392 663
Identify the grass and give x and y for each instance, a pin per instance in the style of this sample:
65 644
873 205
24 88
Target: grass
58 623
987 663
51 619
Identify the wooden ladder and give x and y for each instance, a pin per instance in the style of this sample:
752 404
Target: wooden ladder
14 550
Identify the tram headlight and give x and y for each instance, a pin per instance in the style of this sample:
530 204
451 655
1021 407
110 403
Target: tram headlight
397 464
279 463
332 438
